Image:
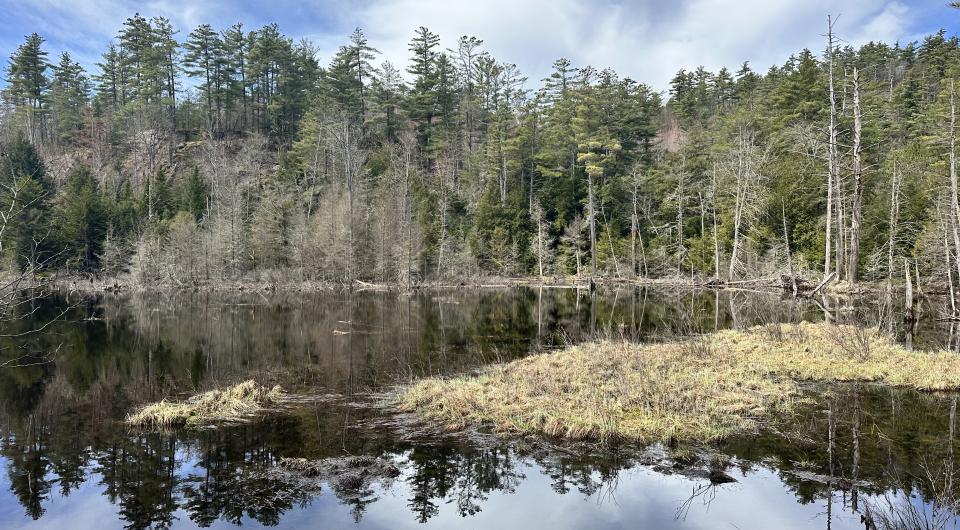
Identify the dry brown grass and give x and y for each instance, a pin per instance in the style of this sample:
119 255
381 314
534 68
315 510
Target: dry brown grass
659 392
230 404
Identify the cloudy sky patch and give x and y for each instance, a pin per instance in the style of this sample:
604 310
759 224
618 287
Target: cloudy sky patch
643 39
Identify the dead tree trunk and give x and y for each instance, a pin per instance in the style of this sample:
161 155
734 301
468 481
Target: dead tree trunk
540 247
442 172
633 246
908 293
894 219
856 214
786 246
739 203
954 199
593 229
947 258
832 151
634 227
406 147
536 213
680 205
348 167
716 237
839 226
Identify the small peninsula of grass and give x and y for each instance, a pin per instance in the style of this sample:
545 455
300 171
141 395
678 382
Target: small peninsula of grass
697 390
226 405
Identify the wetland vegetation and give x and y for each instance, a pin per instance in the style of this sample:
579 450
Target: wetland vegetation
245 284
837 452
696 389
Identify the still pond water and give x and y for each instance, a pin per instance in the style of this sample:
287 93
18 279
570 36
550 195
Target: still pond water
67 462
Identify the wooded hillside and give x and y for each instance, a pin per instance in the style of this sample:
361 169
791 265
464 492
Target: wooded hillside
225 154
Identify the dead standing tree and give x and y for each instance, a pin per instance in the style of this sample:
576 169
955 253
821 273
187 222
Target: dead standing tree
445 173
745 165
345 136
954 192
856 213
540 243
716 236
635 235
832 165
947 257
894 220
232 170
404 166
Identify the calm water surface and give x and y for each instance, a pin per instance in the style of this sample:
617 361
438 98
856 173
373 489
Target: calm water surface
67 463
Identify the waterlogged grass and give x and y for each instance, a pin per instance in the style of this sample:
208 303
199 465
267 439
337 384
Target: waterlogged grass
230 404
699 390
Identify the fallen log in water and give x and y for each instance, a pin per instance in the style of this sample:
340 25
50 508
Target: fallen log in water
754 281
794 284
366 286
823 283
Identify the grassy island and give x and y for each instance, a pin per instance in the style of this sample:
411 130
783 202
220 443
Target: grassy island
227 405
693 390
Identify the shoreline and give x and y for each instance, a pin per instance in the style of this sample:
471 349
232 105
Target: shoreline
86 285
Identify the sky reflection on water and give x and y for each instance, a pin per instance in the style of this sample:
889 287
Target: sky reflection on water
67 464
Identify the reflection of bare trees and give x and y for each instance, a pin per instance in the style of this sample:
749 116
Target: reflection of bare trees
706 493
929 498
868 443
243 472
363 340
56 430
880 451
902 510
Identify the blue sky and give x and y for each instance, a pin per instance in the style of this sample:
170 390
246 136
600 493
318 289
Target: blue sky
644 39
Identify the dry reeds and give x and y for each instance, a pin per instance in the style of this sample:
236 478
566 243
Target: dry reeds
663 392
231 404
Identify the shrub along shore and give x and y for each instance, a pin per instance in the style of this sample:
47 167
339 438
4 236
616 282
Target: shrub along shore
696 390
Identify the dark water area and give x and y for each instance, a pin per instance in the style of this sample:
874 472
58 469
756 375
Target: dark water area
68 462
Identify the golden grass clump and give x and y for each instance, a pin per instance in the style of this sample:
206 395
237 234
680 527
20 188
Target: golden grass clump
662 392
216 406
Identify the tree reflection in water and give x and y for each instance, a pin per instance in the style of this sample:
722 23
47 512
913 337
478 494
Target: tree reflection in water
852 448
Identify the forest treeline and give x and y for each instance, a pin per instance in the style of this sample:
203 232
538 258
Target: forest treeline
226 154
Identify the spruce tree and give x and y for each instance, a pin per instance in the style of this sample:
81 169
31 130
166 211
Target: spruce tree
421 102
194 194
361 54
69 93
81 221
112 83
203 54
25 202
28 82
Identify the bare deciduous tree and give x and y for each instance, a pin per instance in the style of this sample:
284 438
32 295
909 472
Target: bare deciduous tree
745 165
856 212
832 165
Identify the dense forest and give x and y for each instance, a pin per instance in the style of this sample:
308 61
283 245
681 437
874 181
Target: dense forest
227 154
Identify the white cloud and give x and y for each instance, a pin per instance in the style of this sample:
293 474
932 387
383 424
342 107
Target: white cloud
648 40
85 27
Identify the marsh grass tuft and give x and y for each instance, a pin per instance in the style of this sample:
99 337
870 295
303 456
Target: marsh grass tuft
733 381
856 341
226 405
697 346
